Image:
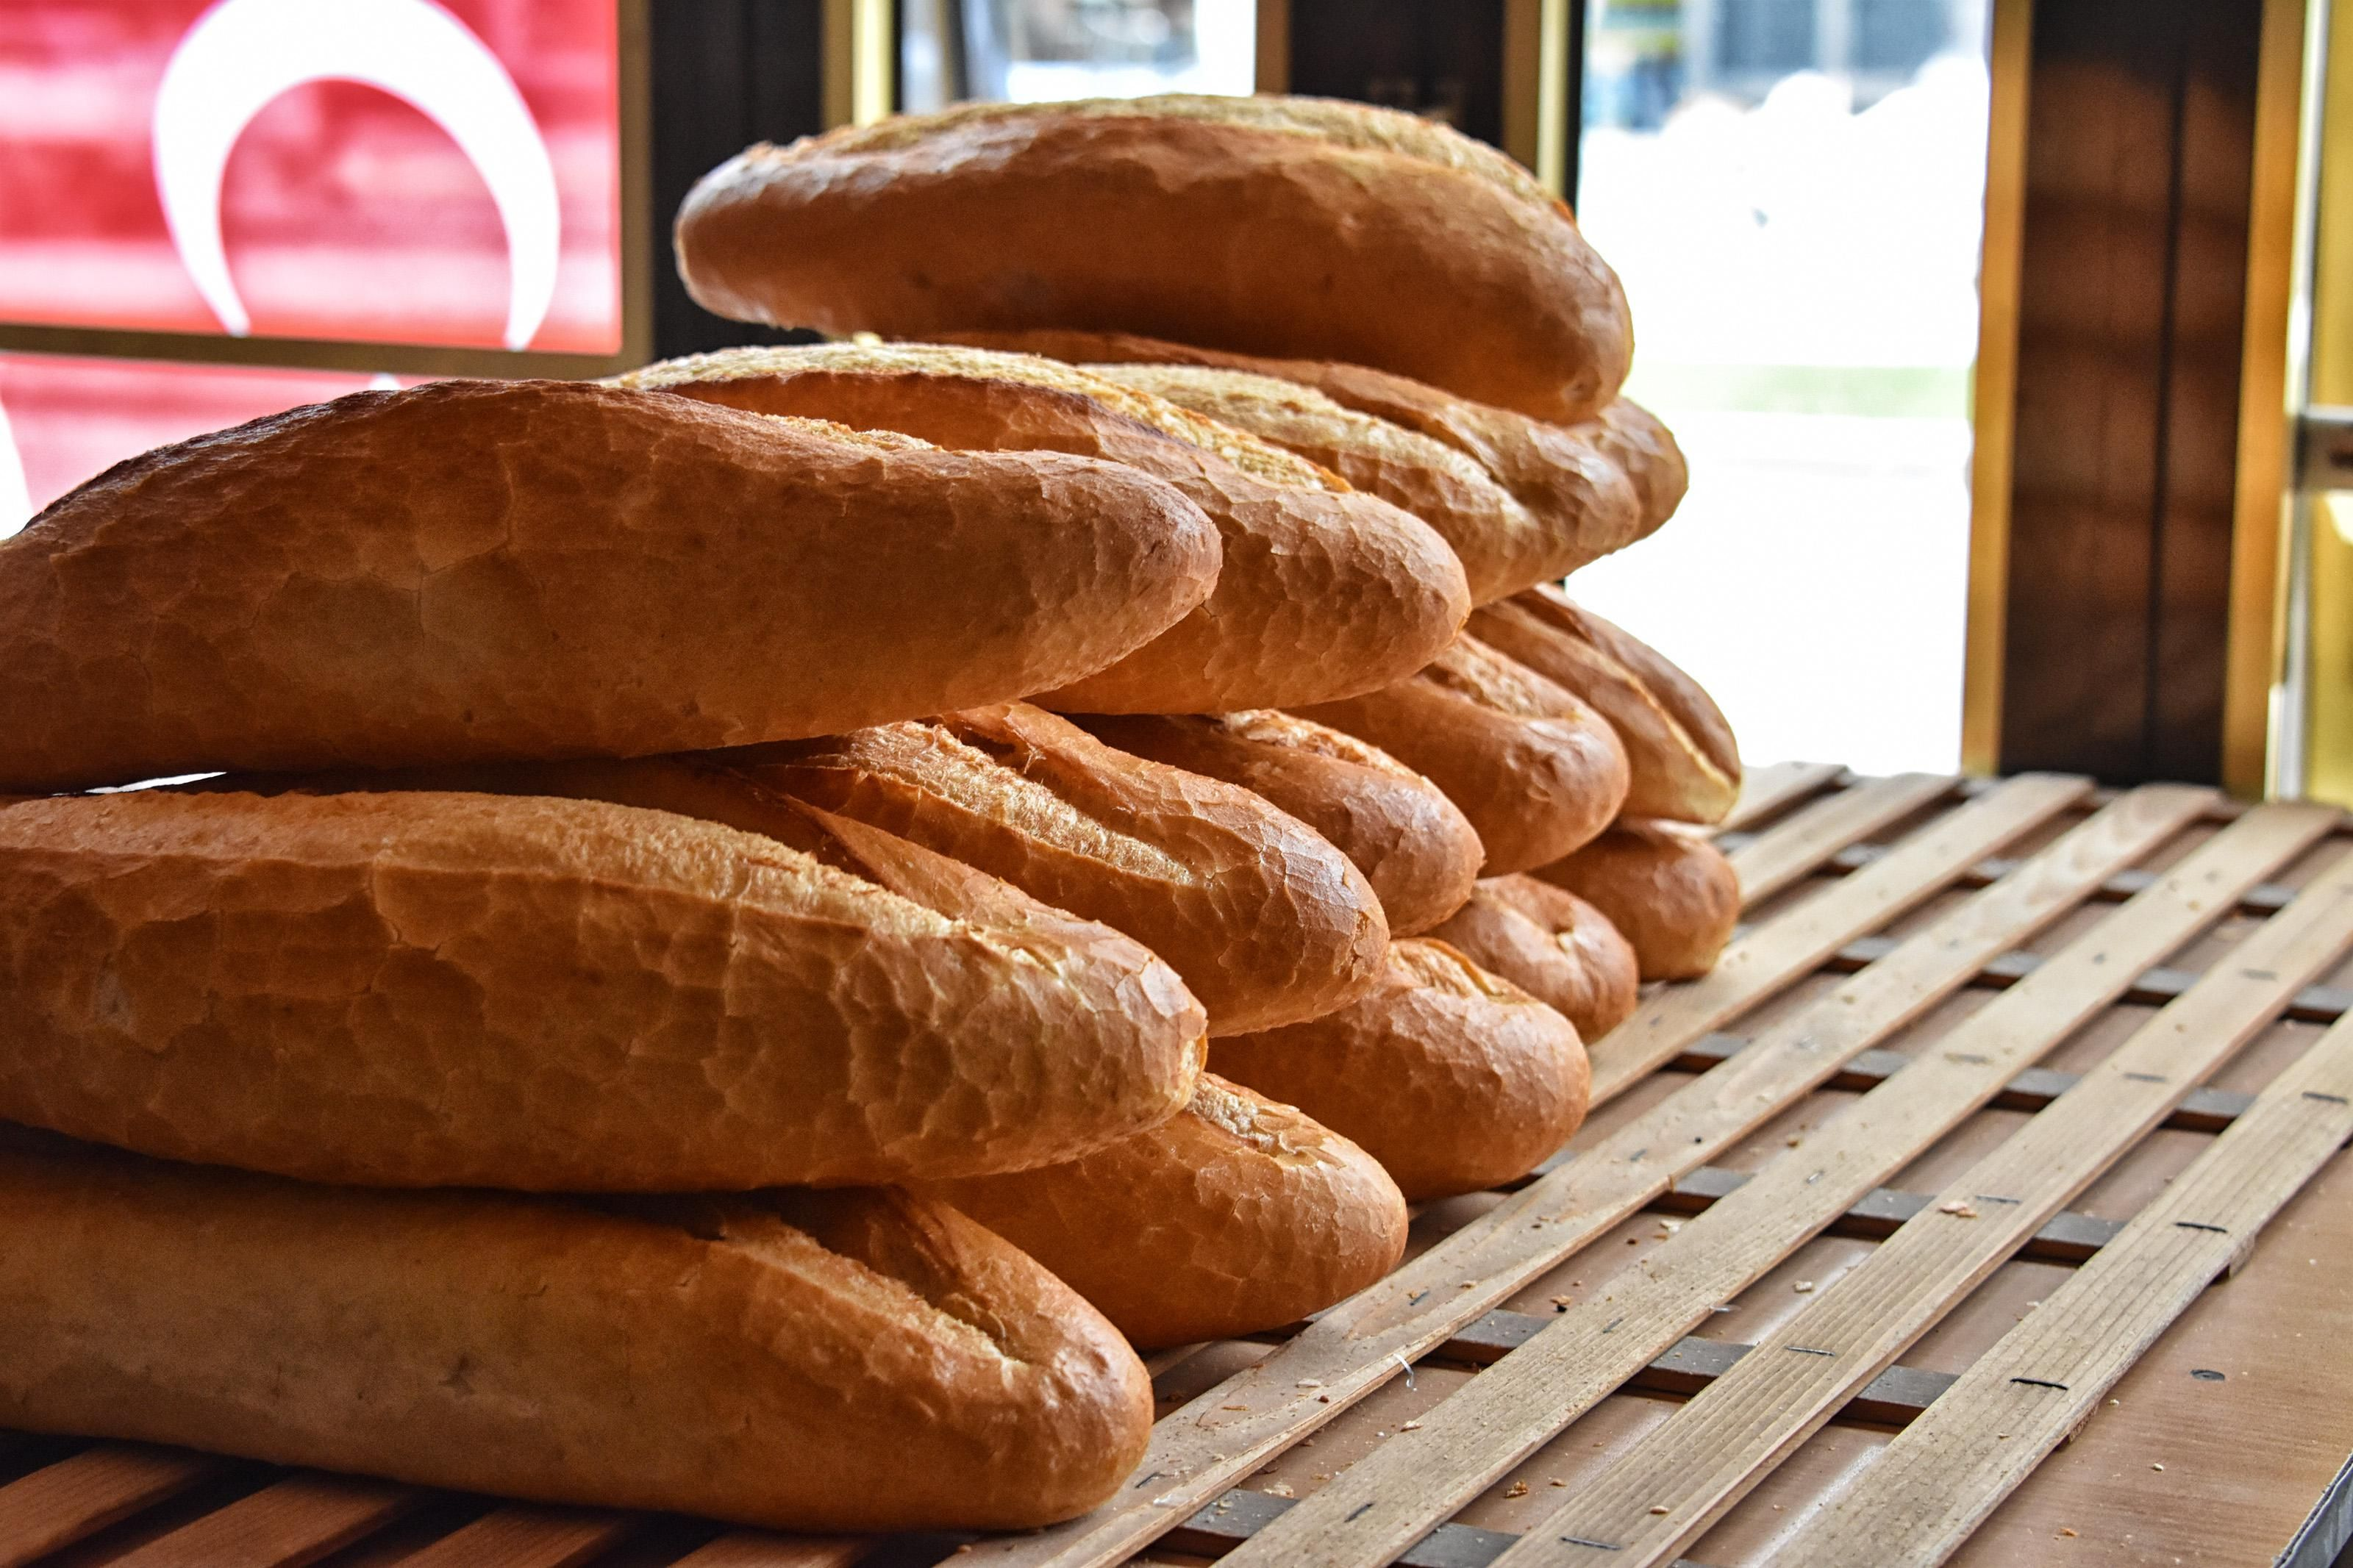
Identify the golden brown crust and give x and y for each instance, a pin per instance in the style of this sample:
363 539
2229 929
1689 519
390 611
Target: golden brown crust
1415 848
1453 1079
1552 944
803 1361
1645 449
429 989
1237 1216
1502 546
1672 892
1318 230
474 570
1536 771
1685 764
1597 484
1324 592
1266 922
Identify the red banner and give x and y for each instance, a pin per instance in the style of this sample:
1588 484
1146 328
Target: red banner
434 171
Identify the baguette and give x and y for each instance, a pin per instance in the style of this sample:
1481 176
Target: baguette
1537 772
1684 764
1645 451
430 989
1672 892
1274 226
1502 546
853 1359
1552 944
1600 483
1324 592
1266 922
1415 848
1237 1216
1453 1079
476 570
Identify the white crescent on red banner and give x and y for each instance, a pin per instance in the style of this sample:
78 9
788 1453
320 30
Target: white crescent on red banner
242 54
16 496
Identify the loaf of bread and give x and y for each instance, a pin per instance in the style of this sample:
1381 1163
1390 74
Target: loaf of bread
1453 1078
426 989
1645 449
1600 483
1415 848
1237 1216
1502 546
1552 944
1672 892
1324 592
472 570
1267 922
853 1359
1537 772
1271 226
1684 762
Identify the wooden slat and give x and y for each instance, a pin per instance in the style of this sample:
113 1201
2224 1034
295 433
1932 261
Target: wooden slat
1361 1343
523 1536
61 1503
1774 787
1389 1499
2205 1110
298 1521
2312 1005
1789 850
1920 1499
1680 1476
2264 899
758 1549
1767 959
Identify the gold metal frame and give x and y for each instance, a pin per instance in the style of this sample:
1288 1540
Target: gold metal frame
1997 387
2268 395
861 61
1535 87
416 358
2317 688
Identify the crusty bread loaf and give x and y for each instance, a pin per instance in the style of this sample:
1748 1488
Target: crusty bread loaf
1415 848
431 989
1324 592
1672 892
1645 449
1269 226
1237 1216
806 1361
1537 772
1453 1079
1552 944
1502 546
472 570
1600 484
1267 922
1684 764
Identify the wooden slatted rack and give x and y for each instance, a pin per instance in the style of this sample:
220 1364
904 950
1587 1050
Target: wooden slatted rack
1895 1240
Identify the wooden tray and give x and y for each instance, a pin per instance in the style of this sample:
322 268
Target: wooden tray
1926 1228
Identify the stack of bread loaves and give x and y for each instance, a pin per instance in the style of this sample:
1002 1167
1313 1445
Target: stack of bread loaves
691 988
